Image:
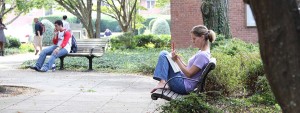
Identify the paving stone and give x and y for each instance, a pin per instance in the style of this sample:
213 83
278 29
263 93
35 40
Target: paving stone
76 92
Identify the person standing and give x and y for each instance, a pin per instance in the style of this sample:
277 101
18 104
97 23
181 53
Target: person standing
66 24
61 47
38 38
2 37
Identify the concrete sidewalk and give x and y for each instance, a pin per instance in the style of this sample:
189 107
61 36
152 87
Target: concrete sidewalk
76 92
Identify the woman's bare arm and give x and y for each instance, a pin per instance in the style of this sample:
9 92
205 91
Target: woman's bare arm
189 72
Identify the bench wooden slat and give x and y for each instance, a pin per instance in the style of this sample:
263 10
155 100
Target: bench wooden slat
174 96
179 96
90 46
167 95
166 92
84 54
171 93
96 42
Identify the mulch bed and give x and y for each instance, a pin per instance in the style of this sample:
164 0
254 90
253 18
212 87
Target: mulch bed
10 91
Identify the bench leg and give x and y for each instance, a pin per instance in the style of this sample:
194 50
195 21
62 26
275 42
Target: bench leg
61 62
90 63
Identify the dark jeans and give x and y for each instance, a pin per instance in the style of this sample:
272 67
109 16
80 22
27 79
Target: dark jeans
164 71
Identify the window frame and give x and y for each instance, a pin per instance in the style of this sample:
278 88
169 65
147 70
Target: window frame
151 5
250 21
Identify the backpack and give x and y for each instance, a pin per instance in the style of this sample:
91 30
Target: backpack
43 27
74 45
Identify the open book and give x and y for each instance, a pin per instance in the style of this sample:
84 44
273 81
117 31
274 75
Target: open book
173 64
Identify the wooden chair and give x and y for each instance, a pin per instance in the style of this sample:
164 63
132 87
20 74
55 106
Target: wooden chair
167 94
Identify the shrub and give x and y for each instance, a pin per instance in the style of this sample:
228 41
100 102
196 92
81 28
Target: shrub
232 77
263 94
109 23
162 41
12 42
153 17
11 51
151 24
26 48
169 21
234 46
147 21
142 30
190 104
124 41
141 40
160 26
159 41
240 76
150 45
220 40
48 35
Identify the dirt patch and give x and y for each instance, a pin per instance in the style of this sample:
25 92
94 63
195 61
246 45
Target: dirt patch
10 91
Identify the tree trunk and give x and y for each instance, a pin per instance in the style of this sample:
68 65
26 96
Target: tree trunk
278 24
98 19
215 16
89 17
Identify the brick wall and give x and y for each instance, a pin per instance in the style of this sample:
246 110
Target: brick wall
186 13
237 15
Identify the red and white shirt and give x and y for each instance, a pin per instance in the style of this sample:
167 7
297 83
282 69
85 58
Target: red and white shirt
63 40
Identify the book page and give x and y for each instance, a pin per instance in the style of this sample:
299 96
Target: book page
173 64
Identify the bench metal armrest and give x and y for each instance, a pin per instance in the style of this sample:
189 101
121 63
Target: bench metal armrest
163 90
91 51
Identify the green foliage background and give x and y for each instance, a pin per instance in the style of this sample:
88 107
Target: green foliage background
49 33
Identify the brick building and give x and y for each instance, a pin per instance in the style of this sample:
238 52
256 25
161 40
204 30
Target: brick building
150 6
186 13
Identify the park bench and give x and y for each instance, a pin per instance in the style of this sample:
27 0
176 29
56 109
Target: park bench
167 94
88 48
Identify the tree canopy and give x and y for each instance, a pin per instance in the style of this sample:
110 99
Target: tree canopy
20 7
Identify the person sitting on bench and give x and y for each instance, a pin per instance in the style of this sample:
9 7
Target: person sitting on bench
61 47
201 38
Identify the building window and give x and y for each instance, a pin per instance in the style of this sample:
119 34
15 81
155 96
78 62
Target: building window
249 17
150 4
